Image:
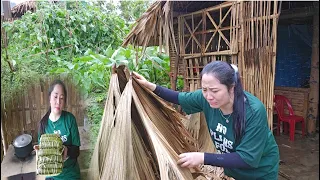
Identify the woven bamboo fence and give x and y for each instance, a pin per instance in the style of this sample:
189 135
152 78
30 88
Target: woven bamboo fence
22 113
258 50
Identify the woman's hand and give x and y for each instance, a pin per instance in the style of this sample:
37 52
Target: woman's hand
36 147
141 80
191 159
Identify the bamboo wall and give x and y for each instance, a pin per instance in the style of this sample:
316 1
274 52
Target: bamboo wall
22 113
258 50
205 36
242 33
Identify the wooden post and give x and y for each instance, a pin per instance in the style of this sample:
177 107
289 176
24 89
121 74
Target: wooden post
314 78
6 9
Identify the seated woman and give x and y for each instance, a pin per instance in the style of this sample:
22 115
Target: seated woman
63 123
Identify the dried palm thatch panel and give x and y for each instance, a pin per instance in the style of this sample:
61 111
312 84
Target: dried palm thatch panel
106 127
154 27
145 137
21 8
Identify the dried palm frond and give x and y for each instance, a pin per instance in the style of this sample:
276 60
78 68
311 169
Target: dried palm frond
145 27
165 154
144 137
204 140
21 8
107 123
119 155
145 165
154 27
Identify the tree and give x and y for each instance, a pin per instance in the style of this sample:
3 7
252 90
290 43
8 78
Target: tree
132 10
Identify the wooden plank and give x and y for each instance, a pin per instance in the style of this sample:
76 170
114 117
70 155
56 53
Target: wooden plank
225 52
305 90
298 13
217 7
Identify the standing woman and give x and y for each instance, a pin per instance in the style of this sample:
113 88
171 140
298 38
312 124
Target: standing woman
63 123
237 122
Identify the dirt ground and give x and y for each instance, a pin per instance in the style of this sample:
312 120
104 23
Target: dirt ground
299 160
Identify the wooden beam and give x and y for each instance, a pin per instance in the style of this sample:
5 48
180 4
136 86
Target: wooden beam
225 52
313 110
298 13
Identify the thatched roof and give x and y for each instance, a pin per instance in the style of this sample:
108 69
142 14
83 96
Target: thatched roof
21 8
155 26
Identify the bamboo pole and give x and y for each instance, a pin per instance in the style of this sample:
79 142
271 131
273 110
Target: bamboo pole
273 56
183 40
225 52
241 43
313 111
252 26
204 28
220 18
192 23
180 34
223 5
191 82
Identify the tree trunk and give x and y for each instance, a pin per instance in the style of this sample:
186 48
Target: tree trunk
314 78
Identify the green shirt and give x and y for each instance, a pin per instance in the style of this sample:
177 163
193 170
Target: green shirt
66 126
257 147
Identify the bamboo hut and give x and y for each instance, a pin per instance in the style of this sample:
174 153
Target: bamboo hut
195 33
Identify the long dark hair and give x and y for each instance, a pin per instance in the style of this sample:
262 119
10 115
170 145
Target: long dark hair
44 121
229 76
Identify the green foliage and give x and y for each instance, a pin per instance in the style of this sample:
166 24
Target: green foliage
132 10
81 40
41 41
95 112
91 73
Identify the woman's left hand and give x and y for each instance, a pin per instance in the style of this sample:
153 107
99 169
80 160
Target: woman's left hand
191 159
